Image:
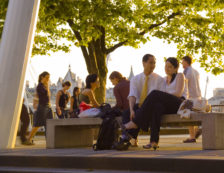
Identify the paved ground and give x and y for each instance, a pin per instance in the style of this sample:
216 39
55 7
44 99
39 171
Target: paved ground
170 147
173 155
167 142
50 170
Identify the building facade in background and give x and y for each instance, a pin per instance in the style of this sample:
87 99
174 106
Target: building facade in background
70 76
217 99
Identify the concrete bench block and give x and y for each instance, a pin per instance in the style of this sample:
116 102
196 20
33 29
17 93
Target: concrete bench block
69 133
213 131
66 133
70 136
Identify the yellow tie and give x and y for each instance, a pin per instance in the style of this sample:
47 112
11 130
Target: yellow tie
144 91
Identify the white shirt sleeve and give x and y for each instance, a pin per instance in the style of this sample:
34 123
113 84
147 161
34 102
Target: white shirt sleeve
133 88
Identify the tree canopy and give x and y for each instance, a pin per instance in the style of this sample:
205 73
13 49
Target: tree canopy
99 27
195 26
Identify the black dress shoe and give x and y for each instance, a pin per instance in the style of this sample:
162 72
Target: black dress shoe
122 145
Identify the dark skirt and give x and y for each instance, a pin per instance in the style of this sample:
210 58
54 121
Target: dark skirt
43 113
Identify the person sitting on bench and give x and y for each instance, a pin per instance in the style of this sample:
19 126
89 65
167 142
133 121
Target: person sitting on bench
87 95
140 86
158 103
121 90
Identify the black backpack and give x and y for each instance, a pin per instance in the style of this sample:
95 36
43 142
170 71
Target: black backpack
108 132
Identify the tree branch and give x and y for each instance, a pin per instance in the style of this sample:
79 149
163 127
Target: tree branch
79 38
173 15
77 34
115 46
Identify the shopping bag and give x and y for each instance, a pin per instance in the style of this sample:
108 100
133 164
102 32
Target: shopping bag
89 113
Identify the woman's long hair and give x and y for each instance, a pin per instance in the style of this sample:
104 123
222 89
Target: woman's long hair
91 78
117 75
42 75
74 91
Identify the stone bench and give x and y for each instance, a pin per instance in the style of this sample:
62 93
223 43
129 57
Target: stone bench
73 132
79 132
212 127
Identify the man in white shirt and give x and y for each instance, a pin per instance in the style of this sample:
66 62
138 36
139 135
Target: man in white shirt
192 77
138 83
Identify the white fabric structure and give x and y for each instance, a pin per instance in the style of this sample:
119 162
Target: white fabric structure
15 50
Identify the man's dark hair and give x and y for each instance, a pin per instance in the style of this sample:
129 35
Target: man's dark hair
146 57
188 59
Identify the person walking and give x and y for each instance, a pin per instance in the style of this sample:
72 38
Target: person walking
44 110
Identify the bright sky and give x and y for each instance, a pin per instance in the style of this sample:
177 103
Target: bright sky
120 60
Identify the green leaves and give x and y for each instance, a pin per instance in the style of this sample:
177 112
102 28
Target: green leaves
3 10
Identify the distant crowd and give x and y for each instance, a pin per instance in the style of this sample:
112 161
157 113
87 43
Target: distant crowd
143 100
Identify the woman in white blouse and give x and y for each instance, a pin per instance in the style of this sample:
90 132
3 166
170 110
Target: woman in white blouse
159 103
175 83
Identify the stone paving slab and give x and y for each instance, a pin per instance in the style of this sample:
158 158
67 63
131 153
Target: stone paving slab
170 147
50 170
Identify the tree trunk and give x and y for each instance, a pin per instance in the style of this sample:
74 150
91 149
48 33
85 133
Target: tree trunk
100 92
96 63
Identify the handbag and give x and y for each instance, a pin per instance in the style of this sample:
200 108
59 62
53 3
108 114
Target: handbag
195 105
89 113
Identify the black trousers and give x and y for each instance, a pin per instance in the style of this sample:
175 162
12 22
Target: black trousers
156 104
126 119
25 121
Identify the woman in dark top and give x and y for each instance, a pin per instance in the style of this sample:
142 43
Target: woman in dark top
62 99
87 95
121 90
44 110
74 106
